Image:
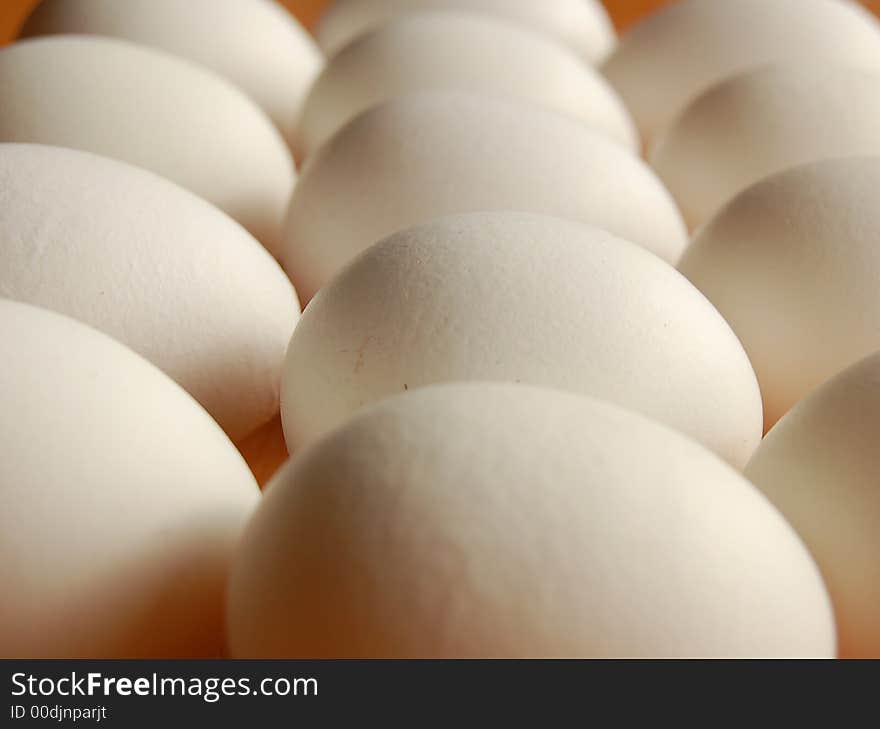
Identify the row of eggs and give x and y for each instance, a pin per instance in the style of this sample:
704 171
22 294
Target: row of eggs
463 297
458 519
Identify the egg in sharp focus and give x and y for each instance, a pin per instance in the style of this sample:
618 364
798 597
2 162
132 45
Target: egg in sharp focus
582 25
152 110
253 43
155 267
509 521
678 52
439 153
457 50
820 466
520 297
123 501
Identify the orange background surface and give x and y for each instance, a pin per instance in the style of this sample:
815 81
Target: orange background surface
265 450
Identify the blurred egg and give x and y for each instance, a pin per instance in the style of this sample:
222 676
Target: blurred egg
430 154
675 54
820 465
509 521
793 264
764 122
153 266
255 44
153 110
465 51
122 500
583 25
519 297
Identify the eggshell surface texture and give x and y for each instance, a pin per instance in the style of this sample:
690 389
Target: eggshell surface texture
511 521
454 50
152 110
582 25
672 56
518 297
155 267
432 154
255 44
820 467
764 122
122 500
793 264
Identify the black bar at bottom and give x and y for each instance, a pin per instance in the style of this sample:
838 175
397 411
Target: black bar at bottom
164 694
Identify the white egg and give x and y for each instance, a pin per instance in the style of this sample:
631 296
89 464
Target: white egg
153 266
820 465
583 25
122 500
455 50
520 297
763 122
675 54
793 265
510 521
255 44
153 110
431 154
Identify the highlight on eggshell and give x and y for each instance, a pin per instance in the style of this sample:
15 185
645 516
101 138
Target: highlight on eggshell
255 44
681 50
152 110
458 50
123 501
155 267
517 297
490 520
792 264
764 122
438 153
819 465
582 25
